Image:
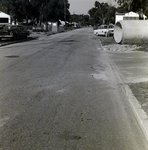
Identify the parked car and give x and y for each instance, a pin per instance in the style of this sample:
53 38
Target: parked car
101 30
13 31
110 31
106 30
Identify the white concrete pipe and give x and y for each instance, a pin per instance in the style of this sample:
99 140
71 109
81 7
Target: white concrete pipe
131 31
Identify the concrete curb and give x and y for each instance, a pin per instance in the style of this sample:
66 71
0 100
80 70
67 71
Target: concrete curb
139 113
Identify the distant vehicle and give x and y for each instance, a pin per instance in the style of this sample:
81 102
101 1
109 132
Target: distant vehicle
106 30
110 31
13 31
101 30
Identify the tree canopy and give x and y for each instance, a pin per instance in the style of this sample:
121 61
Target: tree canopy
133 5
102 13
42 10
82 20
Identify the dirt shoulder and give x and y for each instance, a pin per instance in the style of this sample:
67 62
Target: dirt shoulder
109 44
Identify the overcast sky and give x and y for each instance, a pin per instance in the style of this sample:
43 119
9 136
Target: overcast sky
82 6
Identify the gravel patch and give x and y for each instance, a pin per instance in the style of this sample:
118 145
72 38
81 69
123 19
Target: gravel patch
118 47
140 91
109 44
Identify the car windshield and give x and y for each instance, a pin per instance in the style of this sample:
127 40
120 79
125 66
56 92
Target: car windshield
105 27
102 27
111 26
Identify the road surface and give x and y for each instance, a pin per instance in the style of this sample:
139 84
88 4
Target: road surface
60 93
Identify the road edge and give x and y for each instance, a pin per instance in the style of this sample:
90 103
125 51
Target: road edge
138 112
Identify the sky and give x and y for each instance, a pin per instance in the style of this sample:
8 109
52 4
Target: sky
82 6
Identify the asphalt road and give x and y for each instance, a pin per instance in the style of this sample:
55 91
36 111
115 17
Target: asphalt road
60 93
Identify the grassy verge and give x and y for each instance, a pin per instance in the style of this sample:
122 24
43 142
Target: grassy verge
140 91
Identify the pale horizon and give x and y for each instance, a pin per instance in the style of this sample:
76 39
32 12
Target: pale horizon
82 6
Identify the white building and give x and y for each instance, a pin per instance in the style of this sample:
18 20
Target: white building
128 16
4 18
118 17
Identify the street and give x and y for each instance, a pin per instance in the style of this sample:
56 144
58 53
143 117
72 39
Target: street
60 92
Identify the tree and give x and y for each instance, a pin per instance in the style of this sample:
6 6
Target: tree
82 20
13 7
93 16
42 10
102 13
133 5
110 15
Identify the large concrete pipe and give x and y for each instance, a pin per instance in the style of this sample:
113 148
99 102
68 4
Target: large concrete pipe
131 31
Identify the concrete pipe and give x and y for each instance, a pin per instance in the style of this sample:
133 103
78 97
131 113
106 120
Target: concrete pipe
131 31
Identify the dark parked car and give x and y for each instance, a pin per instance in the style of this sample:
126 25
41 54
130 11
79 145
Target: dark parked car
13 31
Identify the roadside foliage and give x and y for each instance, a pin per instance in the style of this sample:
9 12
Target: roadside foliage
40 10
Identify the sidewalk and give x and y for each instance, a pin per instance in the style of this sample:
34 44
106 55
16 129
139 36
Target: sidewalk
130 65
138 86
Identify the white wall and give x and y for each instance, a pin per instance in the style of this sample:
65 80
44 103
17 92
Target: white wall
4 15
118 18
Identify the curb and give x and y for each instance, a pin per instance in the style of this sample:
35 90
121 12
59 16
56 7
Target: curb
139 113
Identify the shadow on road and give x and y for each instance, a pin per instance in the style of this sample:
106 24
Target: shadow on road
7 41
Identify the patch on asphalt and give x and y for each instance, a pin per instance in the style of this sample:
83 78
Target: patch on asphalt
69 136
100 76
140 91
12 56
68 41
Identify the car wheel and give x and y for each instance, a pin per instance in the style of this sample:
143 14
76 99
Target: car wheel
106 34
